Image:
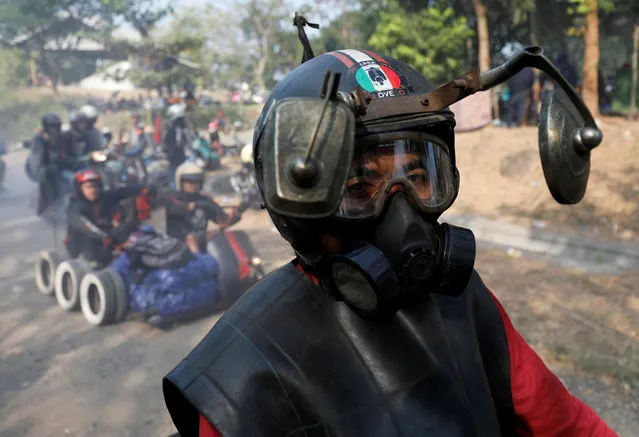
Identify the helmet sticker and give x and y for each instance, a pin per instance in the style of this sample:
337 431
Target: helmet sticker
374 75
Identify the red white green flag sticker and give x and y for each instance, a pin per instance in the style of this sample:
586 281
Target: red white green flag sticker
371 75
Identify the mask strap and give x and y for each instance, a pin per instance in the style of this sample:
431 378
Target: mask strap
299 21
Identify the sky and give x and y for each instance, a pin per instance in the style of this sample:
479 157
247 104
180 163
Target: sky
127 31
226 3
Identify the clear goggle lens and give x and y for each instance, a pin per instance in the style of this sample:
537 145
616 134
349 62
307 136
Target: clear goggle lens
419 164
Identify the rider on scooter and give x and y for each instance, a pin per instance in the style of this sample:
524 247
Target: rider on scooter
52 161
188 211
177 138
88 118
97 224
380 326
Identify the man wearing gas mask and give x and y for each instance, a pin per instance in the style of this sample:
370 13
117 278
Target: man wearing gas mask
380 326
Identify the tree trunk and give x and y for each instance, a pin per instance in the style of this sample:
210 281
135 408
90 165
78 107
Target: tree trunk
33 69
482 34
534 39
51 71
483 45
260 68
590 84
635 70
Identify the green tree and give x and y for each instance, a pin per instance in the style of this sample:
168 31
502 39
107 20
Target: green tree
586 14
433 40
13 69
156 53
36 26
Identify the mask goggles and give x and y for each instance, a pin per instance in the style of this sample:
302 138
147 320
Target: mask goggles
417 163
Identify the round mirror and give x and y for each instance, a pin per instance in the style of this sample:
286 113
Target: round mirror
564 157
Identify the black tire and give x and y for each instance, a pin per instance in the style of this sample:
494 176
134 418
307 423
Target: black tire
68 277
98 298
121 293
45 268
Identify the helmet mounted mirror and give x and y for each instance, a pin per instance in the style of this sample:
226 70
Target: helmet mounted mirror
313 141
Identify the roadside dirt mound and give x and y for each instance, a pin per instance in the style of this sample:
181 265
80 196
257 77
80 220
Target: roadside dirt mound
501 176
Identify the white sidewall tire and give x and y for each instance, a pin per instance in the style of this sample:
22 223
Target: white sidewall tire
73 271
95 282
49 259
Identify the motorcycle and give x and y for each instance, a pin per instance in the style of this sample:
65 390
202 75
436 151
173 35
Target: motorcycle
206 156
243 181
158 173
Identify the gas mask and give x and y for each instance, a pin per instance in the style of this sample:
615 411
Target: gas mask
407 258
398 185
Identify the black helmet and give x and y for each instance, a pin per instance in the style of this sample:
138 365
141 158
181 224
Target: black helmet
384 78
50 119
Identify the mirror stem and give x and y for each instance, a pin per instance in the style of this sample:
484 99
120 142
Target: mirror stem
534 57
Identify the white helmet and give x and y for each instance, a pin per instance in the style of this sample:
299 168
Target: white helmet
90 112
188 171
246 154
176 111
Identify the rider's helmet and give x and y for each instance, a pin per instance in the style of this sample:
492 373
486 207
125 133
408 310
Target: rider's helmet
176 111
90 112
50 120
51 124
189 171
77 117
84 176
429 135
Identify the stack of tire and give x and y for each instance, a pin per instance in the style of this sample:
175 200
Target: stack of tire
101 295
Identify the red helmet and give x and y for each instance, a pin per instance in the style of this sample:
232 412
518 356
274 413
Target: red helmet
86 176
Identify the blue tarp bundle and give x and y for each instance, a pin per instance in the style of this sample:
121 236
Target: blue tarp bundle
174 291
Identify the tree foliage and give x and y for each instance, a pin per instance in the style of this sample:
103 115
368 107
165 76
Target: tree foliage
42 28
14 69
433 40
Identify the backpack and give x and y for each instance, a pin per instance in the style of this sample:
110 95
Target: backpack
148 250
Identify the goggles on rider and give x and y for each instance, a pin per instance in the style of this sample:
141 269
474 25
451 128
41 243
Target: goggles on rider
415 162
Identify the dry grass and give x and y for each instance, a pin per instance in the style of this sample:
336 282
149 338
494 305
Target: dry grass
502 177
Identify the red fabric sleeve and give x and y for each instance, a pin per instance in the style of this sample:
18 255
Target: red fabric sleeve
206 429
541 401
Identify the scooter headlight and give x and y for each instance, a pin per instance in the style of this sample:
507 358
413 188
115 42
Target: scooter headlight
99 156
255 261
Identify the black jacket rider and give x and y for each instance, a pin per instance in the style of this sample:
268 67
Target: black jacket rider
48 157
176 142
95 227
181 220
